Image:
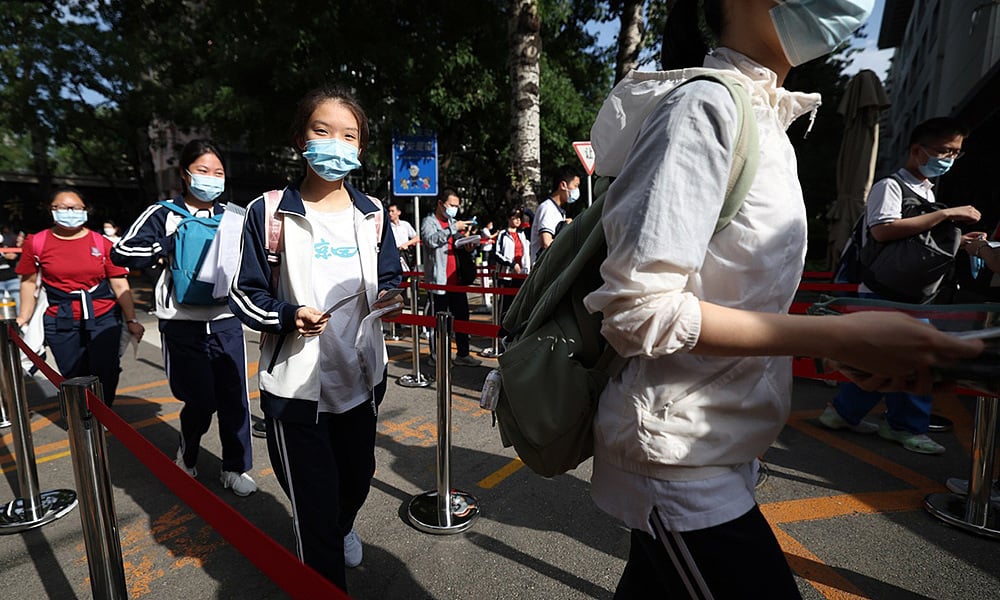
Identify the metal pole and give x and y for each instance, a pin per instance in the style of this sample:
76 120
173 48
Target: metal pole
444 510
415 379
974 512
590 190
8 309
88 450
34 508
416 219
497 301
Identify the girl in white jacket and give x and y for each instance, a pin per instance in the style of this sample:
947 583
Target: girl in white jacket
703 315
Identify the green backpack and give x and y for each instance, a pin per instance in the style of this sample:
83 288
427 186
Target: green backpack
556 362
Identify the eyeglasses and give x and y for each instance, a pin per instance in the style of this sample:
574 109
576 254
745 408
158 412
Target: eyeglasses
69 208
945 152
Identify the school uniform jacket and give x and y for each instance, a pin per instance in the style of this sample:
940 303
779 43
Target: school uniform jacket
148 240
289 376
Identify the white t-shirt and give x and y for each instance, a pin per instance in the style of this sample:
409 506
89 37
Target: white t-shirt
548 216
402 232
336 268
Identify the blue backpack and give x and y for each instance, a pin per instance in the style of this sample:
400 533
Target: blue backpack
193 238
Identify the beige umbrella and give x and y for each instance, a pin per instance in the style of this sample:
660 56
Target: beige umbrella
863 100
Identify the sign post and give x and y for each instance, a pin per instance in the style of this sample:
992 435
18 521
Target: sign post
415 170
585 151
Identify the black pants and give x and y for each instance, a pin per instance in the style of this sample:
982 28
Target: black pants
735 560
458 304
326 470
206 367
79 352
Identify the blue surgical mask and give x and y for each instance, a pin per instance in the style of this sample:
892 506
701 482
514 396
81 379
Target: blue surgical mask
330 158
206 187
809 29
451 211
935 167
71 219
574 195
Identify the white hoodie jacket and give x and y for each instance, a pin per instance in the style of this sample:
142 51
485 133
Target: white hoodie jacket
673 415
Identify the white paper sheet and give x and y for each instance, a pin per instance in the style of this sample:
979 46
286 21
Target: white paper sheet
222 258
370 347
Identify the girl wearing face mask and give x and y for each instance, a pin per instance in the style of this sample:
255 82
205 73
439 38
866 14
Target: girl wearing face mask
701 317
332 261
88 295
203 346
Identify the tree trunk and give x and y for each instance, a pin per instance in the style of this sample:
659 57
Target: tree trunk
630 37
525 49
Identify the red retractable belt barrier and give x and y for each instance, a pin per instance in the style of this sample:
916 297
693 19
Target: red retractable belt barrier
274 560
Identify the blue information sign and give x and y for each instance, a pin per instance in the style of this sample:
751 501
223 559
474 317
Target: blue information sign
414 165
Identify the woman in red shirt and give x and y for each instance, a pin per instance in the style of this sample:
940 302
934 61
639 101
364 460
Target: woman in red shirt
87 294
512 255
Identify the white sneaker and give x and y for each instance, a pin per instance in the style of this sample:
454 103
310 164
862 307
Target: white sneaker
831 419
353 552
179 461
241 483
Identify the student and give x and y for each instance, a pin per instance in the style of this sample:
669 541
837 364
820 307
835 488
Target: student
338 260
934 145
551 214
702 317
203 347
88 296
512 256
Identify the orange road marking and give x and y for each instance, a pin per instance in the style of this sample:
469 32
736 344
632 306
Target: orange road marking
494 479
142 386
819 575
842 442
828 507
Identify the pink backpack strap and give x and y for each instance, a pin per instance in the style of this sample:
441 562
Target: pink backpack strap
275 242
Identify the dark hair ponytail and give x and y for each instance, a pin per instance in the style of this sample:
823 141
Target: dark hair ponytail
684 44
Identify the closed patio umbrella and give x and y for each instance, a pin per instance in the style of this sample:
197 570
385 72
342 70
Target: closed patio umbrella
863 100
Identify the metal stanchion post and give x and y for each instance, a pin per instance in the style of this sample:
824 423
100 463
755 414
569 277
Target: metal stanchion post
497 301
90 466
444 510
975 512
8 308
34 508
415 379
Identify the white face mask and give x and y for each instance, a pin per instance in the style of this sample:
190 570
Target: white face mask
109 231
574 195
809 29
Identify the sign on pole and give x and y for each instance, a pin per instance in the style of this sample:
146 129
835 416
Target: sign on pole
586 153
414 164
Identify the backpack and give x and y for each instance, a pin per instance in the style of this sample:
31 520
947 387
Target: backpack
191 243
276 241
911 269
556 362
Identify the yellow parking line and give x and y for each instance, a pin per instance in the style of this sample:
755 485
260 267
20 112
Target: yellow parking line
492 480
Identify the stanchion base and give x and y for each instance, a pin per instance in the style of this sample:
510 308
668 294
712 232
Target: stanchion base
423 512
5 424
413 382
55 504
490 353
950 508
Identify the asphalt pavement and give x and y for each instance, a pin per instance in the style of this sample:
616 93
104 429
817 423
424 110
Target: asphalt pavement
847 508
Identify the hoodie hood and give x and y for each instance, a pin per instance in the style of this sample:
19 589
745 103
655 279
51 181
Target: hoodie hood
636 96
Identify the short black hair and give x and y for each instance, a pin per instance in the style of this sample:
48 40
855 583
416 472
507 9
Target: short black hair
195 148
68 189
446 193
565 173
936 129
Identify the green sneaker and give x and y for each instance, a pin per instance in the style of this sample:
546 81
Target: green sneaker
914 442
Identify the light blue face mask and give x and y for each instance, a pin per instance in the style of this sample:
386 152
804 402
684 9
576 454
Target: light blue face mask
809 29
451 211
331 159
206 187
574 195
71 219
935 167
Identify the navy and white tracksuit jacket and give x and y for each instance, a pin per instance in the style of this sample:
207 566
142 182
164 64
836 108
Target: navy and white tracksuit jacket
289 381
